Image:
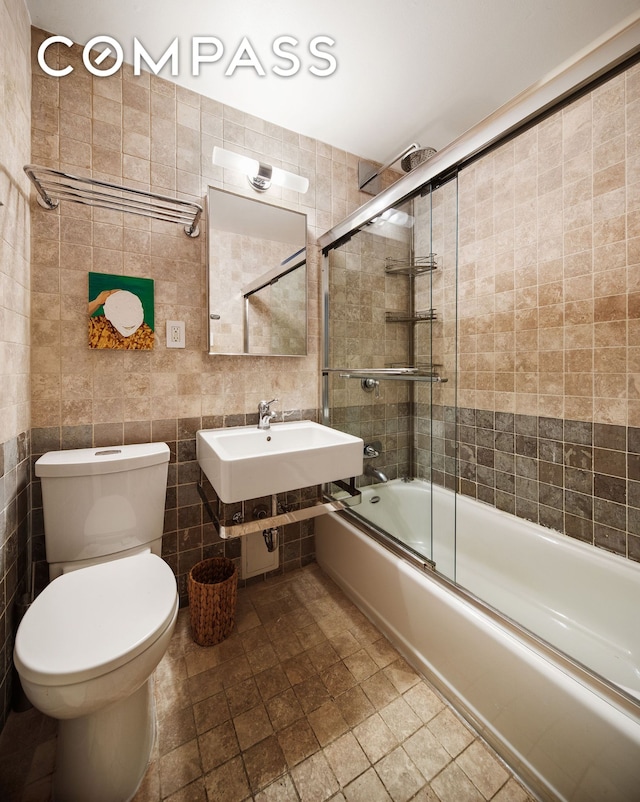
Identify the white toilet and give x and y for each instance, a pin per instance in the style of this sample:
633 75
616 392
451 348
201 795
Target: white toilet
87 646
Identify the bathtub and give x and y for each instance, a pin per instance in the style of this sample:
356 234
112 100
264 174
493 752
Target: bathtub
552 680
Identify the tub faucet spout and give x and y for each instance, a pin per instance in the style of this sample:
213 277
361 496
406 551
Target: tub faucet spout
376 473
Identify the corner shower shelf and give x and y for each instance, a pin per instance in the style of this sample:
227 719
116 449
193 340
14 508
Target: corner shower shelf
411 267
54 186
417 317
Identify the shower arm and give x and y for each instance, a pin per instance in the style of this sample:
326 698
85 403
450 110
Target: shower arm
378 171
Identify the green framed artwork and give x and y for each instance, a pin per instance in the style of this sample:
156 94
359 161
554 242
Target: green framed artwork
121 312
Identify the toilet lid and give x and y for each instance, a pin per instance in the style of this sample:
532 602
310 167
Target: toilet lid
93 620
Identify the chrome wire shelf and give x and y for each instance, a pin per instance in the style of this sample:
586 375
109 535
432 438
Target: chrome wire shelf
422 373
420 367
54 186
402 317
411 267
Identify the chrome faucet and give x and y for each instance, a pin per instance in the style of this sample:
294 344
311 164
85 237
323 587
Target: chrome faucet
266 415
376 473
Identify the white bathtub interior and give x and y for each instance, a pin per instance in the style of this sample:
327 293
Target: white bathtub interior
574 597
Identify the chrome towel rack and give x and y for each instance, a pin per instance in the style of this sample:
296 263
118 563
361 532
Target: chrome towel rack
53 186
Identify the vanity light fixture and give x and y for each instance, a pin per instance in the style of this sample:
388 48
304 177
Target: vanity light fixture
259 175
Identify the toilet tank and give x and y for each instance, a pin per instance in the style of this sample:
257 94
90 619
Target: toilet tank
101 501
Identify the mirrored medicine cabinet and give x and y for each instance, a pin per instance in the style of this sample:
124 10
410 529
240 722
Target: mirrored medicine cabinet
257 277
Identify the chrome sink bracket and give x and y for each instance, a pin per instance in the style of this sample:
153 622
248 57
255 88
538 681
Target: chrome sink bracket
207 504
354 497
283 518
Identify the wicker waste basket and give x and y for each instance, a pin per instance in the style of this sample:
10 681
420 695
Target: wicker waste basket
213 588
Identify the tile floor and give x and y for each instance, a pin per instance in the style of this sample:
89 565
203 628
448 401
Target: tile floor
304 702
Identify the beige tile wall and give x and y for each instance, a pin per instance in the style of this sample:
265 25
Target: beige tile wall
549 268
146 132
15 121
15 114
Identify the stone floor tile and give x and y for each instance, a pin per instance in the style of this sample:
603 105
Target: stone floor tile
287 645
424 701
310 635
361 665
379 690
264 763
298 669
234 671
485 771
271 682
323 655
375 737
512 791
354 705
252 726
228 782
254 638
262 658
400 775
179 767
200 659
367 787
218 745
333 624
338 679
282 790
451 732
382 652
327 722
346 758
401 675
400 719
453 785
298 742
194 792
314 780
427 752
345 644
284 709
312 693
243 696
210 712
206 684
175 729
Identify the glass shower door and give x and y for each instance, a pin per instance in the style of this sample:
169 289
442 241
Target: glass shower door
380 373
435 405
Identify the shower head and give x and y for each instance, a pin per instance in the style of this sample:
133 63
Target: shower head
416 157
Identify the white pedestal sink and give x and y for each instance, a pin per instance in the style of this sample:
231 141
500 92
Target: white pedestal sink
245 462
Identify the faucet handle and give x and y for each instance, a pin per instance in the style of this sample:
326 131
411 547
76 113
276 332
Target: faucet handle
268 403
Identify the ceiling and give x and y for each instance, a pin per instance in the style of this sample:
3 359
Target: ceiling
406 71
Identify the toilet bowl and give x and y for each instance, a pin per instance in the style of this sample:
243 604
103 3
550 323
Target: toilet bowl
85 651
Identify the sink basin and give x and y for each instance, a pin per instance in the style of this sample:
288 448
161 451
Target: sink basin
245 462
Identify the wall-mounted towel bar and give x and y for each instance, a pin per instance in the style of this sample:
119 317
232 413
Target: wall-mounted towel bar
54 186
